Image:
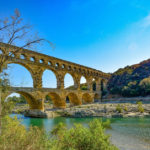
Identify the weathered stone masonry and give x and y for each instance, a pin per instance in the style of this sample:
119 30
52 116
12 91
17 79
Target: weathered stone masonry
37 63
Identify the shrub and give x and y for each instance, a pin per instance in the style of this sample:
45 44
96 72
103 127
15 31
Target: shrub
140 108
14 136
125 108
139 102
82 138
119 108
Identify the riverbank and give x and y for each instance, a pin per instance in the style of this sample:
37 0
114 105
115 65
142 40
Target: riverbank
126 133
109 110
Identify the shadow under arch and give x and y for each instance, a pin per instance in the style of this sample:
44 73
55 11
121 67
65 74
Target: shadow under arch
86 98
28 97
57 101
73 98
97 97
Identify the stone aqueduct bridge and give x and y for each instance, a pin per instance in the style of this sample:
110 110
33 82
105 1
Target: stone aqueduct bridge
37 63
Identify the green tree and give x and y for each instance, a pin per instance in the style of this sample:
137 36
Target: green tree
14 31
145 86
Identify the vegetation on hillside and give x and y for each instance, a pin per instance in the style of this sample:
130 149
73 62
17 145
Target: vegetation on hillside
131 81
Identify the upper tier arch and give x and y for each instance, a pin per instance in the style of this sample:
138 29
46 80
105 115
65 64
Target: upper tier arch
33 59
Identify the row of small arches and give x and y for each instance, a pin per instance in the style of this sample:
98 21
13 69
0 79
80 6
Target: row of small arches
56 65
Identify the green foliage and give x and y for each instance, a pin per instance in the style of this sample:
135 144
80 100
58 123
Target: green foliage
106 124
139 102
119 108
131 81
83 87
15 137
83 138
6 106
125 108
16 99
140 107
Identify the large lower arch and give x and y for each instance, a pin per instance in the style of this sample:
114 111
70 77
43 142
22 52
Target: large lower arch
57 101
73 98
29 98
83 83
69 81
87 98
49 79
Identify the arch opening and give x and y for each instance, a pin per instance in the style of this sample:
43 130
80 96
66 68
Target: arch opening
83 83
94 84
1 52
73 99
57 101
19 75
69 82
22 56
32 59
86 98
103 87
21 98
49 79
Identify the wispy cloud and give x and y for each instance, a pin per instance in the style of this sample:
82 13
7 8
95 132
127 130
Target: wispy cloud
145 22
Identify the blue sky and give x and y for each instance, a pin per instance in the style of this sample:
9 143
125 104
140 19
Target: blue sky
103 34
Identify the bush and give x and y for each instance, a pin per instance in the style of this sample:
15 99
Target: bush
82 138
125 108
139 102
119 108
140 108
14 136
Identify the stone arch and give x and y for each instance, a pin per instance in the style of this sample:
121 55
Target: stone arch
87 98
26 67
28 97
46 81
73 99
83 83
69 81
57 101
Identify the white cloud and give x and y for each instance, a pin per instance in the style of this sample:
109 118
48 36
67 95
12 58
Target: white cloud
145 22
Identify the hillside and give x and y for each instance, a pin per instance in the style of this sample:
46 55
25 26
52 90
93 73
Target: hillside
132 80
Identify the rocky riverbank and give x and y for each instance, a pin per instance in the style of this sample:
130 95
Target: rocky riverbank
108 110
95 110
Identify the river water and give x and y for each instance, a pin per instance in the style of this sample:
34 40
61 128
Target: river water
126 133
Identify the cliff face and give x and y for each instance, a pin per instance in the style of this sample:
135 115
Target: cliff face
128 81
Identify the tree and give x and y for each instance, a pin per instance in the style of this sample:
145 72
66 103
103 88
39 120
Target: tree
14 31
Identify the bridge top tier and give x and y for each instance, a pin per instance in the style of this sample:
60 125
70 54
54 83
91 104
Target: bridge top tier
48 62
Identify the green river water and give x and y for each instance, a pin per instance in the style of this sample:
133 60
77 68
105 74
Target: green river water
126 133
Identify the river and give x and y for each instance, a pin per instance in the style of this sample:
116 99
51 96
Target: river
126 133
